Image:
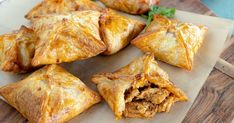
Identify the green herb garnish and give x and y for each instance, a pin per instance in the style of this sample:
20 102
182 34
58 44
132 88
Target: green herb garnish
167 12
144 16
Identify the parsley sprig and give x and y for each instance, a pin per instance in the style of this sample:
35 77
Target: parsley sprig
167 12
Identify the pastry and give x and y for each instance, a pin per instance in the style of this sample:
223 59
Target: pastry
17 50
172 41
49 95
131 6
117 30
138 90
67 37
61 6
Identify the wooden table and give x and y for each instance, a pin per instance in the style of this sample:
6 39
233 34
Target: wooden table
215 102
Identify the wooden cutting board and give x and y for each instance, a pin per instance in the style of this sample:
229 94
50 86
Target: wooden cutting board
214 102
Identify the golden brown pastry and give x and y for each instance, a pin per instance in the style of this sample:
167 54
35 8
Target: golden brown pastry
131 6
67 37
17 50
117 30
171 41
49 95
61 6
139 89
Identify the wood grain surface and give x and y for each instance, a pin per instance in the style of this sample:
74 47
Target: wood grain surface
215 102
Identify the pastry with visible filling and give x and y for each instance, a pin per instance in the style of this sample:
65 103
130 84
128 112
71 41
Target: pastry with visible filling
131 6
67 37
49 95
172 41
138 90
17 50
61 6
117 30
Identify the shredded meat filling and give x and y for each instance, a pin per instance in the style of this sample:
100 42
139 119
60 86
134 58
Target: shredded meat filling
132 93
165 106
154 95
140 109
144 102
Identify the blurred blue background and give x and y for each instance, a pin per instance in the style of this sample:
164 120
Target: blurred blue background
222 8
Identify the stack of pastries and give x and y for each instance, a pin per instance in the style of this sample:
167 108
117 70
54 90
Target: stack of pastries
70 30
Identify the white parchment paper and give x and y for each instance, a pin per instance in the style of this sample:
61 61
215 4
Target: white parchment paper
11 18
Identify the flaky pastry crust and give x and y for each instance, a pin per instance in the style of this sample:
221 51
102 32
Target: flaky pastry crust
49 95
67 37
17 50
61 6
172 41
117 30
131 6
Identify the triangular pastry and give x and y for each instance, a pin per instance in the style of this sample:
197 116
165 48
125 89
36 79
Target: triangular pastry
61 6
49 95
17 50
67 37
117 30
140 89
171 41
131 6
